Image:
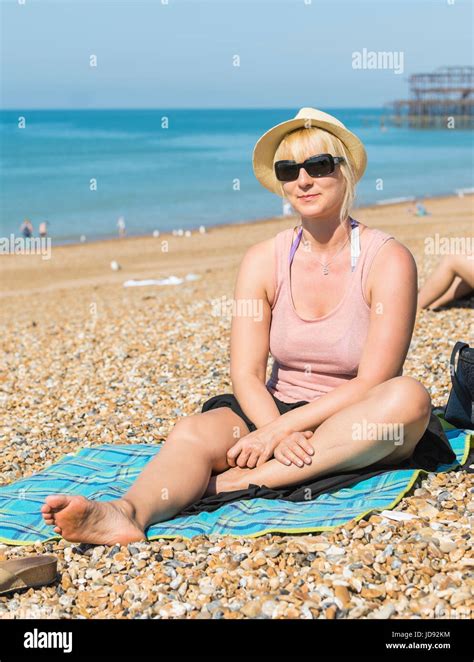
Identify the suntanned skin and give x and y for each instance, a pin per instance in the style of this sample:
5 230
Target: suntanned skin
452 279
214 451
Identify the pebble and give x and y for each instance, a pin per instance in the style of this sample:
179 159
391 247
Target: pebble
384 612
447 545
343 595
428 511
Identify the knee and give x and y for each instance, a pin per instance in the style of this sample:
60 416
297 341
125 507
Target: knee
408 395
449 263
188 430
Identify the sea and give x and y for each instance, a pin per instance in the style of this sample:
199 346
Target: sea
177 169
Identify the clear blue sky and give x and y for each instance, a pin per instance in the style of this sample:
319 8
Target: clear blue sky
180 54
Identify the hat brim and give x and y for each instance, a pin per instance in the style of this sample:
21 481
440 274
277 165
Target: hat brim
266 146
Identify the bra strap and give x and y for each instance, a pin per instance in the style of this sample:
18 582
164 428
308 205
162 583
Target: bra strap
295 244
355 243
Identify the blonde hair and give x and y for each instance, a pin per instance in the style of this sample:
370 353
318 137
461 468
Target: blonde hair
301 143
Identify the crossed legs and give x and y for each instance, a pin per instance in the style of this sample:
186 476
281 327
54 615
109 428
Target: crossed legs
193 463
402 403
177 476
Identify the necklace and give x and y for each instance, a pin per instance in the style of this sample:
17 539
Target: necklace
325 265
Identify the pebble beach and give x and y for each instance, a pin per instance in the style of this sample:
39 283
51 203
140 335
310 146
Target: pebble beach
86 361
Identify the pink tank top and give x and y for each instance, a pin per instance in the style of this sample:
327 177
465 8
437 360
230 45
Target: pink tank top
313 357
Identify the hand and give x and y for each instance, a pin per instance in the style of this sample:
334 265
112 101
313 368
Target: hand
295 449
256 447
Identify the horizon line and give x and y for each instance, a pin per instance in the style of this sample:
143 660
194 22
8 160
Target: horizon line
188 108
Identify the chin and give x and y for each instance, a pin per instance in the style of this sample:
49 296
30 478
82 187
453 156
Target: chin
308 208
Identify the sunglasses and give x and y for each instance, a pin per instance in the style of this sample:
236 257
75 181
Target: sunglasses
316 166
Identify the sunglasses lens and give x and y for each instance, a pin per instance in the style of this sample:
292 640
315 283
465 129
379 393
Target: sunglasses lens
320 167
286 172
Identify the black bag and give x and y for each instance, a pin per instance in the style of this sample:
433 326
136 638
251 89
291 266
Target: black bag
460 410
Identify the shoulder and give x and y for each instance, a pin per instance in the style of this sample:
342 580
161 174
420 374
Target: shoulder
263 252
393 266
259 263
392 255
259 255
385 246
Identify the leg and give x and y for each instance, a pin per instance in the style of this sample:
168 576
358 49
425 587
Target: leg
401 401
176 477
438 283
458 289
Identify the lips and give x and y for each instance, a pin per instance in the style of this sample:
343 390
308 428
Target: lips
309 197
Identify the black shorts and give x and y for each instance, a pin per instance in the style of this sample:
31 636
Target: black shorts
432 450
229 400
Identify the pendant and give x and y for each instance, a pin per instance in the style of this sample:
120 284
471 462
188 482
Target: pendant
325 270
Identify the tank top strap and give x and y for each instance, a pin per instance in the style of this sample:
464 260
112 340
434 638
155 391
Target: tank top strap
282 240
374 241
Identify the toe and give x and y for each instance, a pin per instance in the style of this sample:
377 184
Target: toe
57 501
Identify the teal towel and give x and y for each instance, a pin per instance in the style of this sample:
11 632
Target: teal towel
106 472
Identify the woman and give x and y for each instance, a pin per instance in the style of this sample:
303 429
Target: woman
339 331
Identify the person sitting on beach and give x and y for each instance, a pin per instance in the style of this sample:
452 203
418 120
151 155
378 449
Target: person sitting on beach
452 279
26 228
421 210
336 307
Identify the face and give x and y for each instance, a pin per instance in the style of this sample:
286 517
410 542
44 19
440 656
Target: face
316 197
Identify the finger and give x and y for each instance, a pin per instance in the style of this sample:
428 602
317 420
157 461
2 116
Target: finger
291 455
306 446
233 452
242 459
300 453
278 455
253 459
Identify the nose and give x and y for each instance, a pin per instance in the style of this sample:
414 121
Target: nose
304 179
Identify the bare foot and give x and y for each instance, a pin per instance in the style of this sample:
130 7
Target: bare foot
211 487
79 519
235 478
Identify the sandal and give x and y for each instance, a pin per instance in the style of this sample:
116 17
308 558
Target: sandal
29 572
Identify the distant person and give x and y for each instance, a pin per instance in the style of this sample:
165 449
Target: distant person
43 229
452 279
419 210
121 226
287 208
26 228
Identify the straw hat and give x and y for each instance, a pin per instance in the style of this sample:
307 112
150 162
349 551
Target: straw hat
266 146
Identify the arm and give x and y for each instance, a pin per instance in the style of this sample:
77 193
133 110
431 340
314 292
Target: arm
250 330
392 288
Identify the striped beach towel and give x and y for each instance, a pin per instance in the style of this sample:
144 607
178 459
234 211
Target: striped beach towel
106 472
